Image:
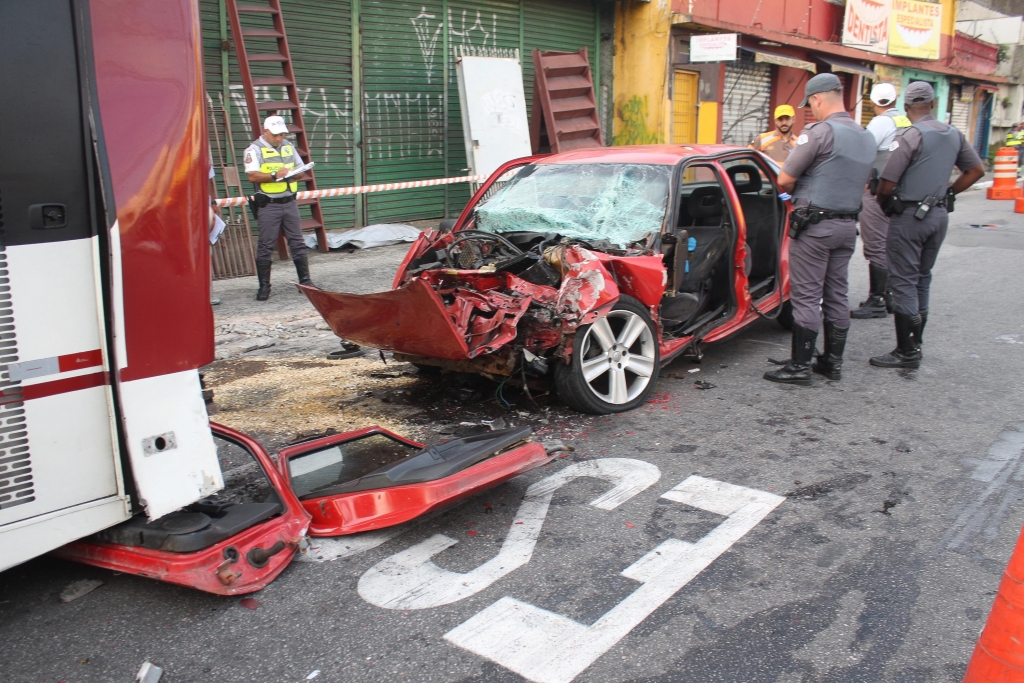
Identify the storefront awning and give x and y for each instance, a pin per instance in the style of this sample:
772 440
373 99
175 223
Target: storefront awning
780 59
850 67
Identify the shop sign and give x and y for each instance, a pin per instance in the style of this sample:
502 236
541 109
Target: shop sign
915 29
866 25
715 47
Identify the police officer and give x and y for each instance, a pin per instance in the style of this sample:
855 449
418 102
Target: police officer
914 190
267 161
874 224
1015 139
779 142
826 173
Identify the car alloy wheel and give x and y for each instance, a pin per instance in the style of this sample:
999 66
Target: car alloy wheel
615 361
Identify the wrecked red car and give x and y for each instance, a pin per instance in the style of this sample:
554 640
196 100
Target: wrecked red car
590 269
240 539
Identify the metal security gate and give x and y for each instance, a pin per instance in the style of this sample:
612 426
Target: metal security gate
399 119
320 39
745 104
961 115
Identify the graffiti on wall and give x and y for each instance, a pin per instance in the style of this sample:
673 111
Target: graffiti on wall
633 118
398 125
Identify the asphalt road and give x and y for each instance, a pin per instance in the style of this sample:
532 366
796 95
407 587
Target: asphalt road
851 531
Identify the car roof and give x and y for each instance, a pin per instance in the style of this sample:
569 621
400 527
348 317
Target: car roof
637 154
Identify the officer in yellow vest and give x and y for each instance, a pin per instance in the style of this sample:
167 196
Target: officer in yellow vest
1015 139
267 161
778 143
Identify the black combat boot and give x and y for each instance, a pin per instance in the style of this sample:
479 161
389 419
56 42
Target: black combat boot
263 273
907 353
797 369
876 304
830 361
302 270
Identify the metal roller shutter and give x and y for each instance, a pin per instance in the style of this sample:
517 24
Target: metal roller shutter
403 105
411 121
961 116
745 104
320 40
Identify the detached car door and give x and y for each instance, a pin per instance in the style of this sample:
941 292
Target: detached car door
372 478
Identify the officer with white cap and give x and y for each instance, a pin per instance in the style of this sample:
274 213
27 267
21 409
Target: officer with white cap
267 161
826 173
874 224
915 192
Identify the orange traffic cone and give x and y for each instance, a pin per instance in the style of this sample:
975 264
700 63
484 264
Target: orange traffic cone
999 655
1004 182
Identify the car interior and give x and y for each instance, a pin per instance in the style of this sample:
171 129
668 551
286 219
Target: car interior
698 251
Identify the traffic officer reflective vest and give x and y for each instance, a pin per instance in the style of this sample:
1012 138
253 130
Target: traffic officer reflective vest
837 184
1014 139
882 155
928 176
271 161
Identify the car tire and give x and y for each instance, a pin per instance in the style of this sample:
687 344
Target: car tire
785 318
632 365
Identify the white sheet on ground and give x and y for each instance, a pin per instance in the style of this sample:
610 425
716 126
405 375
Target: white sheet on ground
368 237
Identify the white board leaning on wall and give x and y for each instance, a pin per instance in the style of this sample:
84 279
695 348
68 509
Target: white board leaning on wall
493 107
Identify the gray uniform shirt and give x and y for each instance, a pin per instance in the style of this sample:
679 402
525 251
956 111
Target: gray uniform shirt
813 147
254 159
906 148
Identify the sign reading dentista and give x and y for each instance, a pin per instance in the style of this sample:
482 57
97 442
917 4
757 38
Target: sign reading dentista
905 28
915 29
716 47
866 25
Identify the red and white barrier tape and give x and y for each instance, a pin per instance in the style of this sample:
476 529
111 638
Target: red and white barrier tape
343 191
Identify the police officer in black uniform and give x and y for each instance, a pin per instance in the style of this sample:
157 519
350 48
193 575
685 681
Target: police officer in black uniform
826 173
914 191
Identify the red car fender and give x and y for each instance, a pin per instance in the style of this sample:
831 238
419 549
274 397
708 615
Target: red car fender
359 511
588 288
223 568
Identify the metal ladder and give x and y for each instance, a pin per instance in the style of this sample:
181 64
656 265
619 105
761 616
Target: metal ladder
267 60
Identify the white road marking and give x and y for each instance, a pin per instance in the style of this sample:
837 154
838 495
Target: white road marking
549 648
410 579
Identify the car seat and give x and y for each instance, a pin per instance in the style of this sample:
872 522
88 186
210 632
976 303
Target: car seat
708 237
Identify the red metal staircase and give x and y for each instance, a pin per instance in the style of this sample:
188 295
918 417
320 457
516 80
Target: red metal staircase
272 63
564 107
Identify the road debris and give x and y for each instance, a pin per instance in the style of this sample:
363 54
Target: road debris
78 589
149 673
702 384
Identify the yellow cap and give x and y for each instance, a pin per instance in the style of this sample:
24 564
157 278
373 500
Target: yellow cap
784 110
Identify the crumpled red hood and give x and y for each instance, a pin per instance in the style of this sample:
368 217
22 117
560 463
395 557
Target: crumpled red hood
415 320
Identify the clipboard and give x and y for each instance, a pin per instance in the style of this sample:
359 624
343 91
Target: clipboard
299 171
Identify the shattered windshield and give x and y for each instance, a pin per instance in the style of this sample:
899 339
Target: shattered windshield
621 203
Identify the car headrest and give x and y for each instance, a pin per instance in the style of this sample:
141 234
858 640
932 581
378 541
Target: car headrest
705 202
745 178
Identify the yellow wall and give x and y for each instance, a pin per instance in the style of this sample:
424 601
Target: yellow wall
948 17
643 110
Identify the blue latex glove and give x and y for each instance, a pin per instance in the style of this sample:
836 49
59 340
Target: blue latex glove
785 196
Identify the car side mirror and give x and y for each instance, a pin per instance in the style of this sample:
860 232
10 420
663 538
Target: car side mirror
447 224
